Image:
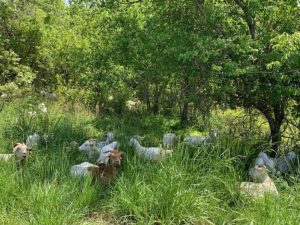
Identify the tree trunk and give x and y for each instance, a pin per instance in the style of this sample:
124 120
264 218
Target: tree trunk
248 17
147 97
155 108
275 120
184 113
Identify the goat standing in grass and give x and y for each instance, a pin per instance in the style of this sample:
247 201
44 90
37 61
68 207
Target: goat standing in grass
201 140
153 153
169 140
106 173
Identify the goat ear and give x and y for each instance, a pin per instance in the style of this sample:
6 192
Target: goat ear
16 144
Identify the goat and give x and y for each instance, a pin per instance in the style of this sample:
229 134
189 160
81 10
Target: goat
153 153
81 169
262 183
169 140
286 162
105 151
90 147
202 140
20 153
109 139
106 173
32 140
264 159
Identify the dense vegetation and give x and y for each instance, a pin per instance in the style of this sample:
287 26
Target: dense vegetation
186 66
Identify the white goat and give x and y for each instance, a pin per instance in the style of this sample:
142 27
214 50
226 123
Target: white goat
169 140
20 153
201 140
262 183
106 150
138 138
43 107
90 147
109 139
81 169
264 159
286 162
153 153
32 140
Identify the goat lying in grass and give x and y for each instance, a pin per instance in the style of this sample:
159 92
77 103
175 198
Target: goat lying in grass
106 173
201 140
169 140
283 164
20 154
264 159
262 183
286 162
153 153
93 148
90 148
81 169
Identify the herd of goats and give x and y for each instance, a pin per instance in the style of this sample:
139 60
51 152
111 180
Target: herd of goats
108 158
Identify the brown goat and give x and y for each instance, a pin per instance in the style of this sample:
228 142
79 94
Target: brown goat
106 173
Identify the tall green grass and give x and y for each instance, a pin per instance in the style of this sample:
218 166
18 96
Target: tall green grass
197 185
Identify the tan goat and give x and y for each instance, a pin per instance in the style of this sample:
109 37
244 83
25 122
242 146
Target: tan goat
20 154
262 183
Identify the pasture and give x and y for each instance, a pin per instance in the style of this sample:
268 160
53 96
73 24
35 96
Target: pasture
197 185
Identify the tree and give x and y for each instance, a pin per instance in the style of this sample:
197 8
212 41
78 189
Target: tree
253 72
